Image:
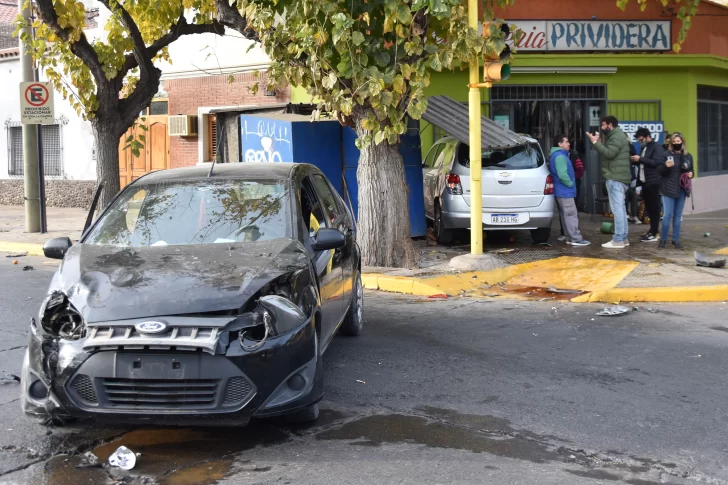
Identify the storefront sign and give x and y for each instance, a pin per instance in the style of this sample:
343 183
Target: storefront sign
503 120
594 35
657 129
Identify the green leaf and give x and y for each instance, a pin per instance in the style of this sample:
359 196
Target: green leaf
436 64
382 58
357 38
379 137
403 14
398 84
329 81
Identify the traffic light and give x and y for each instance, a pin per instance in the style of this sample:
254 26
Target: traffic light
495 69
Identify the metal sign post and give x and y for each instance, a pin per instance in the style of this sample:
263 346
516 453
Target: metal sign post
36 108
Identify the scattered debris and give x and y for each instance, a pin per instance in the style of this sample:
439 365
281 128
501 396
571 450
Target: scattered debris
613 311
535 335
439 296
10 378
16 255
360 382
15 261
707 234
493 295
704 262
653 310
475 277
90 461
27 268
123 458
545 245
503 251
552 289
547 299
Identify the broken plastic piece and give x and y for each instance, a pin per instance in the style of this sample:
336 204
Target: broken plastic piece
16 255
123 458
613 311
552 289
27 268
704 262
439 296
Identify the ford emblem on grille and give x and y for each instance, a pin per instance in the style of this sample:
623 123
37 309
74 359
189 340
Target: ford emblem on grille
150 327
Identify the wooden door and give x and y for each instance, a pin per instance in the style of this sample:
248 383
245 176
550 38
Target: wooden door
154 155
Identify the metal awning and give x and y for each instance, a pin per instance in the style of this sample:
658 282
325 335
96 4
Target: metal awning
452 117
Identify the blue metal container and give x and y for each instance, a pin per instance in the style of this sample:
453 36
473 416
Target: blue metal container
293 138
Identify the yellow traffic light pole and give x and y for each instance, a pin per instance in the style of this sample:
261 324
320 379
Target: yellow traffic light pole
476 173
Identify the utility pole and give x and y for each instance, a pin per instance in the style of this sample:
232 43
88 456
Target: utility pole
30 139
476 155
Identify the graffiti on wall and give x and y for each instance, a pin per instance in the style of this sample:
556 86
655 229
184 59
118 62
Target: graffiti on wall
265 140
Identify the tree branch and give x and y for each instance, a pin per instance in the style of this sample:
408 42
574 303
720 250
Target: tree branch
81 48
230 17
139 50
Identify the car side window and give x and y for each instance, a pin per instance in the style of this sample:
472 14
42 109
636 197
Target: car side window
327 198
312 212
432 155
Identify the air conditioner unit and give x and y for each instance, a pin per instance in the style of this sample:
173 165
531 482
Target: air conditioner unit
182 125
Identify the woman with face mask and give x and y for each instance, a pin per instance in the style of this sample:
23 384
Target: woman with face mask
672 188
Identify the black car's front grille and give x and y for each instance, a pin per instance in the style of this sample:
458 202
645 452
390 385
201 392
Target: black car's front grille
85 389
237 390
161 393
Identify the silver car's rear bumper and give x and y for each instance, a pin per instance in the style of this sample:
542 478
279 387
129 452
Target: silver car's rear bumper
456 215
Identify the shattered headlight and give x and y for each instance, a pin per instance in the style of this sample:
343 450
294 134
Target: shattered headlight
59 317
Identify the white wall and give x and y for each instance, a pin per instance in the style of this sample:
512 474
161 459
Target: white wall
709 194
210 54
76 137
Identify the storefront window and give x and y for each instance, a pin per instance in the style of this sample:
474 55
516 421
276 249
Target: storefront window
712 130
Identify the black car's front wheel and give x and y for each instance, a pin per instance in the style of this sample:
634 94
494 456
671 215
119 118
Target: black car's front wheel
353 321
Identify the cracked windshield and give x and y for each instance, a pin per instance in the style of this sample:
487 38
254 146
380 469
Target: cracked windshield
195 212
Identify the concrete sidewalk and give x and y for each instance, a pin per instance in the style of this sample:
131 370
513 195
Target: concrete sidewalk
62 222
642 272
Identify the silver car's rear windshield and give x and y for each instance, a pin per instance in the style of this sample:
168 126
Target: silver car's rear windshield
196 212
517 158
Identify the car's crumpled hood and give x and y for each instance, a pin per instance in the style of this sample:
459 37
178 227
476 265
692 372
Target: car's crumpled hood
110 283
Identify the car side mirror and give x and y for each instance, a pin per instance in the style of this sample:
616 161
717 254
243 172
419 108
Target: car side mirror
57 248
327 238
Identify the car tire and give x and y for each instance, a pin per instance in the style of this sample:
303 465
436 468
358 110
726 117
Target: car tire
353 322
306 415
541 235
443 235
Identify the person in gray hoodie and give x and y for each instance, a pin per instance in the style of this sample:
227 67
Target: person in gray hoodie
616 170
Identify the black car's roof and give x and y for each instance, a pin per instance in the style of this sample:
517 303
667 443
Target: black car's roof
223 170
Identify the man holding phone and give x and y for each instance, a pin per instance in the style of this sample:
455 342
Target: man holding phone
616 170
651 155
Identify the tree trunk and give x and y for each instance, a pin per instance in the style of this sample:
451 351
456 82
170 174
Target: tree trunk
107 160
384 223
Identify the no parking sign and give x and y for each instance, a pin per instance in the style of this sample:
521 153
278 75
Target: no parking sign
36 103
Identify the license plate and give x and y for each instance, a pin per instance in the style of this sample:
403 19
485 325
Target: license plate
504 219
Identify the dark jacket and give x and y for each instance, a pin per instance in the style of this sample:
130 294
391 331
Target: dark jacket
615 156
654 155
670 177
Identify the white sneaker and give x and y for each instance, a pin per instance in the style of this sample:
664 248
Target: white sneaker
562 239
626 243
613 245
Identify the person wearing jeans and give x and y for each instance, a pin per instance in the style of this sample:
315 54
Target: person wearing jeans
671 171
651 155
565 190
614 150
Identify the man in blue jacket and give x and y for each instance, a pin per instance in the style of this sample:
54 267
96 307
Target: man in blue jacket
565 190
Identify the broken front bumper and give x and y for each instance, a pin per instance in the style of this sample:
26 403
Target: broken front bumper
189 374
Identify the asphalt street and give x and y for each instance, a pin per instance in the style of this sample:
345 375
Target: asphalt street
459 391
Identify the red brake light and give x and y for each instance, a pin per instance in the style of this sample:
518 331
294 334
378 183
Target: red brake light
549 189
453 184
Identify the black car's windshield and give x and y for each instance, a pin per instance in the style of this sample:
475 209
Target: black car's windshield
516 158
195 212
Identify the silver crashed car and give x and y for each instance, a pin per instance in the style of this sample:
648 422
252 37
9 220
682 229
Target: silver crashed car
517 189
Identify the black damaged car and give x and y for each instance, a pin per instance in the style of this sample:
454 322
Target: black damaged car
198 296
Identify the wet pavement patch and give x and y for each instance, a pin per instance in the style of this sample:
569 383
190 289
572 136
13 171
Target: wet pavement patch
596 474
383 429
175 456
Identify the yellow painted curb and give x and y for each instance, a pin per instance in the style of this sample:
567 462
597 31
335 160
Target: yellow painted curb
398 284
721 251
666 294
16 247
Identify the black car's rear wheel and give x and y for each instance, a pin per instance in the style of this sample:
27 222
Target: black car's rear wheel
443 235
353 321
